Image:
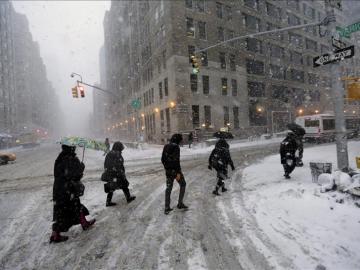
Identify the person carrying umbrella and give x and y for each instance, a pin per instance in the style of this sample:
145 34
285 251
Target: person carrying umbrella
67 189
220 159
299 133
115 170
287 153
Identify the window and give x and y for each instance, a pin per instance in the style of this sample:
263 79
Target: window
167 114
166 90
207 115
219 10
236 117
254 45
160 90
162 124
296 75
276 35
232 62
324 49
202 30
230 34
252 3
234 87
190 30
293 4
277 72
313 78
206 86
311 123
276 51
296 58
280 92
314 95
195 116
292 19
204 58
200 4
191 50
251 22
254 67
296 40
256 89
221 36
273 11
228 13
329 124
164 58
224 86
222 60
226 116
188 3
152 95
311 45
309 11
193 82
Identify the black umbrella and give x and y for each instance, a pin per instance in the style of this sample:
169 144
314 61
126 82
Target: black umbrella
297 129
223 135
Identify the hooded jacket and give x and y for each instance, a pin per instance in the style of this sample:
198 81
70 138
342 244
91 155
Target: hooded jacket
220 157
171 154
288 147
114 162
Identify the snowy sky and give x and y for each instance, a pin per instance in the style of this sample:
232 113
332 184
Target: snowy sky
70 34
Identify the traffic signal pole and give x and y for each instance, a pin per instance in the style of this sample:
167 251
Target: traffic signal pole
337 93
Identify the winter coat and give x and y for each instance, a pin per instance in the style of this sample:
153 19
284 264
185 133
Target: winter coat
114 166
170 157
220 157
68 170
288 148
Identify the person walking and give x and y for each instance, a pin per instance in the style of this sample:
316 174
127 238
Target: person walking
288 148
220 159
67 189
171 160
190 139
114 174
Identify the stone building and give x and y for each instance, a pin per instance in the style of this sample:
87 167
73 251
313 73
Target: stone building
251 86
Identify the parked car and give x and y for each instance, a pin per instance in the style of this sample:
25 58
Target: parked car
5 157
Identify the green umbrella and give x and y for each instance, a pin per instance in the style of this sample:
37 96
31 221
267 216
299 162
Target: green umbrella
83 142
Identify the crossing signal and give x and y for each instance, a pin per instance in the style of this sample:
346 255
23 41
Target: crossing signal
82 91
74 91
195 64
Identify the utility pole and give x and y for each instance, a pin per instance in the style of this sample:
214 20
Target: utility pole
337 94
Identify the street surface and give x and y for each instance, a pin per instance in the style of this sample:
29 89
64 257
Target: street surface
136 235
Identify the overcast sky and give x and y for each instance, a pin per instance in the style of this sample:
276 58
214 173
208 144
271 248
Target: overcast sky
70 34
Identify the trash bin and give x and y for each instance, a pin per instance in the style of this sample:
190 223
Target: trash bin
358 162
318 168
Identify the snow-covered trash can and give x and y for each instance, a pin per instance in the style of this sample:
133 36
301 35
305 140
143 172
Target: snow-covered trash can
318 168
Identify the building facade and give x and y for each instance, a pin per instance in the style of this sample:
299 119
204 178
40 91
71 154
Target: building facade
250 86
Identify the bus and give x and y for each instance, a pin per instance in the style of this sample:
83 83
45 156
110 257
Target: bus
321 127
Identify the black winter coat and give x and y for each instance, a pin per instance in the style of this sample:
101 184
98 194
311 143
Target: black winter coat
220 157
67 170
114 168
170 157
288 148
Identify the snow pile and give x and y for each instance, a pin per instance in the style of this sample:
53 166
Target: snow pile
308 227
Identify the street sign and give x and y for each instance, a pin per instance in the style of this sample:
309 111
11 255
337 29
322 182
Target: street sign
136 104
346 31
336 56
337 43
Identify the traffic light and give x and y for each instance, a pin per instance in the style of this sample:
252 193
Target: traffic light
195 64
74 91
82 91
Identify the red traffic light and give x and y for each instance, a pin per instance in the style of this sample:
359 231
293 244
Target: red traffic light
82 91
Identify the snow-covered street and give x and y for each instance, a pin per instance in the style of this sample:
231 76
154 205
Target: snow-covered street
263 222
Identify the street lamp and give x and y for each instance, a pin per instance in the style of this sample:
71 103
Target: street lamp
72 75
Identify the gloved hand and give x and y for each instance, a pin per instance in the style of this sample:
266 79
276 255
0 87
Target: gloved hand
209 167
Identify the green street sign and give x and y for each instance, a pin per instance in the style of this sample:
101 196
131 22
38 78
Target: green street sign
346 31
136 104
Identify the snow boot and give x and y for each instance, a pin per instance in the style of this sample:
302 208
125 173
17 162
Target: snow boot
167 210
287 176
57 238
216 191
130 199
108 200
182 206
223 189
84 223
